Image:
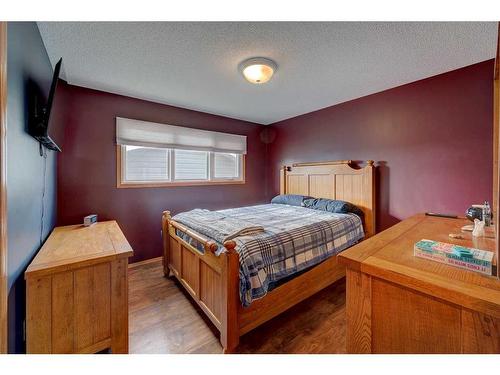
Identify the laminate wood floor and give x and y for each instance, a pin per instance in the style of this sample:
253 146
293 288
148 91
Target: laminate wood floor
163 319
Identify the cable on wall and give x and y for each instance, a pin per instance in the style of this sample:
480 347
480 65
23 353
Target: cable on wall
43 154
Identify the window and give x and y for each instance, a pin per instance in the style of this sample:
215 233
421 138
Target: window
191 165
146 163
162 156
152 165
226 165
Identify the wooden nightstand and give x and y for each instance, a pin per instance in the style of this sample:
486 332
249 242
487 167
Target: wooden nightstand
77 291
398 303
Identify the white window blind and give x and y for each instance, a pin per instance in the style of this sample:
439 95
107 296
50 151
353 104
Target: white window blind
191 165
226 165
146 164
149 134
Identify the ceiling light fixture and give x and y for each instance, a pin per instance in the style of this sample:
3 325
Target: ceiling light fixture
258 69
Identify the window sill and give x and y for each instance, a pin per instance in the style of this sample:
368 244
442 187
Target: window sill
135 185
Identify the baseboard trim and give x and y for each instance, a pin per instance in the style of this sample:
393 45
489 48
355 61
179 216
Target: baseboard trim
143 262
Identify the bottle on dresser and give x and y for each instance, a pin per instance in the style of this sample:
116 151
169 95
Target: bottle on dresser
487 214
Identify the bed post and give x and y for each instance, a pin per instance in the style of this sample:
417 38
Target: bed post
166 240
283 180
230 330
369 186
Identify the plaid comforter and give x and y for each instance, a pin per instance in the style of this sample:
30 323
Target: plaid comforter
216 225
294 239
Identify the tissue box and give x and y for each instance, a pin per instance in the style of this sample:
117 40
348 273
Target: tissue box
455 255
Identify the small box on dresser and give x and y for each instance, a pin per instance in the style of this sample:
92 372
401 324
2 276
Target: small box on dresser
77 291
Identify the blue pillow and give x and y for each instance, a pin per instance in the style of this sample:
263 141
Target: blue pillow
331 205
290 199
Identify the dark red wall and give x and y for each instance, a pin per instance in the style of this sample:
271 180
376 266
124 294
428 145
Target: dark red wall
431 140
87 168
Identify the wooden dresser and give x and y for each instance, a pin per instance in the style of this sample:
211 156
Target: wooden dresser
77 291
398 303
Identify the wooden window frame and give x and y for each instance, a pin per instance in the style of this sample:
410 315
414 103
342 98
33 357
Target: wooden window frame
121 183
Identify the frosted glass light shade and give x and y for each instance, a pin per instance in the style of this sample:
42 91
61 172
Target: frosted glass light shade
258 70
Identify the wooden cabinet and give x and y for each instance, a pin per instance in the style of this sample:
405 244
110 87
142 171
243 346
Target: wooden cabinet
398 303
77 291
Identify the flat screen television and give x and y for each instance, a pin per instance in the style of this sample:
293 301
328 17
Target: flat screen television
42 125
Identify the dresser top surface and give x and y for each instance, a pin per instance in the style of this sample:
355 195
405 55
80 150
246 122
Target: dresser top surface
75 245
390 253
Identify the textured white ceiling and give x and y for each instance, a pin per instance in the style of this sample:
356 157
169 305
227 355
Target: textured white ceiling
195 64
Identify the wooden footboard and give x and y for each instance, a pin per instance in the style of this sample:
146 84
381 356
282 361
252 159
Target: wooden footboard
212 280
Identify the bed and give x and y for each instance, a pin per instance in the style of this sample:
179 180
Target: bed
211 271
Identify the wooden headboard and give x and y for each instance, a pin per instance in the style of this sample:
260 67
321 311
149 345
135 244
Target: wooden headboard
334 180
